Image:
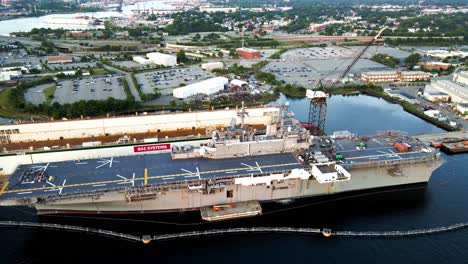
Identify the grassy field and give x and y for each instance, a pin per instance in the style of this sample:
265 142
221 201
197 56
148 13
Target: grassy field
6 108
49 93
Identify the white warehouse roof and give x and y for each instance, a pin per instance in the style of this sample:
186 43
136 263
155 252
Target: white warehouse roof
238 82
161 58
207 87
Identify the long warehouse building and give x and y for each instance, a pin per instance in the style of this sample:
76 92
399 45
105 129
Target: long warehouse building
207 87
132 124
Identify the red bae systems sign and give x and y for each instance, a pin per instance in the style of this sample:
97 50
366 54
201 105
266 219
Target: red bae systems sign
153 147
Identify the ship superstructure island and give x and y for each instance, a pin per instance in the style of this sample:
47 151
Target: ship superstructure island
228 173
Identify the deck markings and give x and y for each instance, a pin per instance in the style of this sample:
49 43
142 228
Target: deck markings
99 185
106 162
259 168
126 180
163 177
24 192
63 184
252 168
191 174
5 185
81 163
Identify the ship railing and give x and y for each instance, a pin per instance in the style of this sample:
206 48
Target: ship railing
156 187
384 163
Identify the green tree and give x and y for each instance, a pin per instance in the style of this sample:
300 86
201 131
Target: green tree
412 59
181 57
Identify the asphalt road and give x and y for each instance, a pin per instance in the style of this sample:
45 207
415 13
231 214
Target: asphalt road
132 87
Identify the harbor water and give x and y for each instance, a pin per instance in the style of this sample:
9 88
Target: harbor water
27 23
442 202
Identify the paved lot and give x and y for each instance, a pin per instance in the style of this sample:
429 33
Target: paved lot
7 58
165 80
89 88
35 94
73 90
397 53
128 64
307 72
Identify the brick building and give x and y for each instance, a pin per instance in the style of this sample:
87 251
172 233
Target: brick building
247 53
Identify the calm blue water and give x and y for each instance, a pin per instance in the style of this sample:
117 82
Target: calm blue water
444 202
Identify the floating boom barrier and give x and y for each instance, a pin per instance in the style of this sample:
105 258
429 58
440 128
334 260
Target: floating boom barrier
147 238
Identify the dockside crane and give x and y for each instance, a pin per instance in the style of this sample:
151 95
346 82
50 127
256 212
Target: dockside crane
119 7
318 97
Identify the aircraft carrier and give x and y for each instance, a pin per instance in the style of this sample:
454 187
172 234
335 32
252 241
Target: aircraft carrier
229 174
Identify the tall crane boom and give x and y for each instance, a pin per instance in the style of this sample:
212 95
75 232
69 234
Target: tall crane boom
375 39
318 99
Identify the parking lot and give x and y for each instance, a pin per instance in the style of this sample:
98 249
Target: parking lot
165 80
35 95
74 90
305 67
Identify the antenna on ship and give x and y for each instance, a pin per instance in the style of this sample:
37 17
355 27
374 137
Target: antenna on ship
242 113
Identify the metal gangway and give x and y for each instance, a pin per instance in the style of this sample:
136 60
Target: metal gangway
213 232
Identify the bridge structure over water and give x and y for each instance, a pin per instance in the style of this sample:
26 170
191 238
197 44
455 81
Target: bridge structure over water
213 232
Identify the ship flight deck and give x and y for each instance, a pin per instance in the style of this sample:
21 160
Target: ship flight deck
118 172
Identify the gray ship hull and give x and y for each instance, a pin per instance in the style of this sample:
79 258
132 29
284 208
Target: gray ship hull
186 199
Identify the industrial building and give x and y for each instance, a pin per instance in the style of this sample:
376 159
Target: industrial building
461 77
9 75
141 60
463 109
157 58
162 59
209 66
379 76
59 59
319 27
247 53
434 95
442 54
457 93
238 82
435 65
394 76
212 9
412 76
85 128
78 34
207 87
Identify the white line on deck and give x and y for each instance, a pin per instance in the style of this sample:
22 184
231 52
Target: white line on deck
231 172
247 165
169 178
51 184
258 166
81 163
63 184
120 176
24 192
99 185
187 171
